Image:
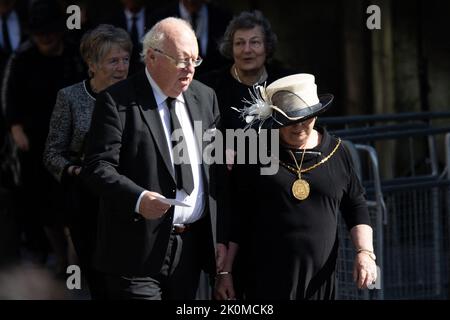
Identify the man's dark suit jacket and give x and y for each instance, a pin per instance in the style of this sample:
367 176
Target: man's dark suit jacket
218 21
126 154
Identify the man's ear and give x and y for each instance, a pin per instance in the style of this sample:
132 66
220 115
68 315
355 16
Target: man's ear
151 53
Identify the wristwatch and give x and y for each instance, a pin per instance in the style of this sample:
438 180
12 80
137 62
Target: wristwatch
368 252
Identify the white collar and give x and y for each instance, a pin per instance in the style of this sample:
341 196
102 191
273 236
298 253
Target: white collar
160 97
184 13
130 14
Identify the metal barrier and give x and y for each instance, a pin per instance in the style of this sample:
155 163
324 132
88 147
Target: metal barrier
410 215
415 241
413 237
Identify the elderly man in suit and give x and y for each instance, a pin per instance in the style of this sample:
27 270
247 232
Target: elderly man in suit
147 248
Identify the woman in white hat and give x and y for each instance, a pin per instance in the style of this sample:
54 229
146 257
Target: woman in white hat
289 234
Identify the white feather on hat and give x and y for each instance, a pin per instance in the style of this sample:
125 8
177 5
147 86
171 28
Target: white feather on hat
285 101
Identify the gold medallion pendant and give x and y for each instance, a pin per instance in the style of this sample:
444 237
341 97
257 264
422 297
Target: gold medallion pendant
300 189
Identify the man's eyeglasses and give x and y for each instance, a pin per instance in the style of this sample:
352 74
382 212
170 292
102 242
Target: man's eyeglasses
182 63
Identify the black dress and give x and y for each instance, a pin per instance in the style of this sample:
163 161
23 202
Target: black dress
231 93
291 245
32 83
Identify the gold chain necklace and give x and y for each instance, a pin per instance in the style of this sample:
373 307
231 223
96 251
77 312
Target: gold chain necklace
300 187
236 74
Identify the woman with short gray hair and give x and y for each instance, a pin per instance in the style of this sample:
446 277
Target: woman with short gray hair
250 44
106 50
246 21
97 44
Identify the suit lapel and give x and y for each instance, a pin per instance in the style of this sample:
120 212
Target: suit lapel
192 106
196 113
149 109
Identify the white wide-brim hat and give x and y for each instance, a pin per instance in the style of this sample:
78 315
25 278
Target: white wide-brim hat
284 102
294 99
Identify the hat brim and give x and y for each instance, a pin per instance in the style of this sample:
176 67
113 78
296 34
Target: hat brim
280 120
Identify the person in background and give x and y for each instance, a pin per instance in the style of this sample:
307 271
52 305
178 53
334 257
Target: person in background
12 34
106 50
134 17
289 235
12 31
209 23
39 69
250 44
13 17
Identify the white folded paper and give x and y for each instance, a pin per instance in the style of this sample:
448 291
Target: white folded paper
172 202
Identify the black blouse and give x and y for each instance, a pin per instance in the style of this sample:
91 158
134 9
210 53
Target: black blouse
296 240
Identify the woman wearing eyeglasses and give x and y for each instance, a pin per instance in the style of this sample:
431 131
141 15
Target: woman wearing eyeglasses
250 43
106 50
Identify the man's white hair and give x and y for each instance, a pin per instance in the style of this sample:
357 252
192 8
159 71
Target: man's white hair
155 37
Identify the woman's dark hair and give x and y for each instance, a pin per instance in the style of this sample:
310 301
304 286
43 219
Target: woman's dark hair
244 21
